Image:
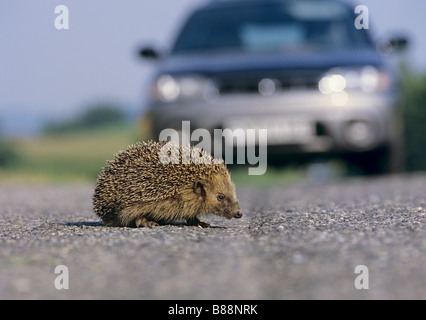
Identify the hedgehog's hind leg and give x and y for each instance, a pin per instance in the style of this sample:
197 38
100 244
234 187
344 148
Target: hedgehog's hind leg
137 216
145 222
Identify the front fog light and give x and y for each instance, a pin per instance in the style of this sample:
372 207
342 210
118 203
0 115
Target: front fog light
359 134
339 99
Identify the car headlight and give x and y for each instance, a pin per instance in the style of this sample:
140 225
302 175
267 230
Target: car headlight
166 88
169 88
367 79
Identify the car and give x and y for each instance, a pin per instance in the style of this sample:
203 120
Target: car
302 69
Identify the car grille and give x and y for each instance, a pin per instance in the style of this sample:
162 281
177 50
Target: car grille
266 84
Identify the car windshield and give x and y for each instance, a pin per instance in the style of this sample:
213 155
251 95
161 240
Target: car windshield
281 26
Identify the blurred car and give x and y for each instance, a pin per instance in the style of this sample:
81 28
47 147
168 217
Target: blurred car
299 68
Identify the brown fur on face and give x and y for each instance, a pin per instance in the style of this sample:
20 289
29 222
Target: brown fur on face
135 189
218 196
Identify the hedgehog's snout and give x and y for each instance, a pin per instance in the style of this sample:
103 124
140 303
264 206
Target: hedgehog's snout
238 214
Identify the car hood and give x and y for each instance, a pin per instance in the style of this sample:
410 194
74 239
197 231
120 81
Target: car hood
211 64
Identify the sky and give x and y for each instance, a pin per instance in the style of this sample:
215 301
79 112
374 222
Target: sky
47 73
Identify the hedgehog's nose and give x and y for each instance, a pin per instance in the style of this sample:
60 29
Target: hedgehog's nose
238 215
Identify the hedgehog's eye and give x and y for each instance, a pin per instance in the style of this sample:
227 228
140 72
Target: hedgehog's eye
220 197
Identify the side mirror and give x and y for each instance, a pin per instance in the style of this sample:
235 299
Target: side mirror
398 43
392 45
149 53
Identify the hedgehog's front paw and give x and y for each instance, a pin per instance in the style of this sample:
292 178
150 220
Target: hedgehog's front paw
197 222
202 224
144 222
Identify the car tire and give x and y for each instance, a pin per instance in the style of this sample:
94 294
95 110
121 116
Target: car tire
385 160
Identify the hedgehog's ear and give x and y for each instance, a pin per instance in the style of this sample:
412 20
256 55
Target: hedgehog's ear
199 188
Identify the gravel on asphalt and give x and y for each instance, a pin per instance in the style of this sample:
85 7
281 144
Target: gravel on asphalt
302 241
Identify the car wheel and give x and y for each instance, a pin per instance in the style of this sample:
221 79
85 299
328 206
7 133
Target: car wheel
381 161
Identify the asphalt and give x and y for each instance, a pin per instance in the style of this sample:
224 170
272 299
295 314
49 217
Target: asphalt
301 241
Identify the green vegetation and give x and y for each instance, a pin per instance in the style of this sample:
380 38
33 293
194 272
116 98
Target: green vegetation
72 156
77 149
272 176
413 110
80 156
69 150
8 153
97 116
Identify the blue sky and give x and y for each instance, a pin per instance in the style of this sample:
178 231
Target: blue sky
49 73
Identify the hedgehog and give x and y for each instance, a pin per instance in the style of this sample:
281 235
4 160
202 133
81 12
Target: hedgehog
139 189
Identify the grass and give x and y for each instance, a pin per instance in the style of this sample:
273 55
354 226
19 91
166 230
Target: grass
80 156
67 157
272 177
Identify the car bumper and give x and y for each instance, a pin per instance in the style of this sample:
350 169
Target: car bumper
298 121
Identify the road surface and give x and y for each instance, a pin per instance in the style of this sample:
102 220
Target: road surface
303 241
